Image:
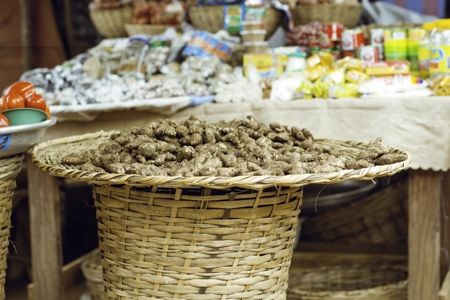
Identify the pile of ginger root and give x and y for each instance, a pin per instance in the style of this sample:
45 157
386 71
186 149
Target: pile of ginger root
240 147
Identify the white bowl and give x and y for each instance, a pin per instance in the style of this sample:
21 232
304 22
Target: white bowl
18 139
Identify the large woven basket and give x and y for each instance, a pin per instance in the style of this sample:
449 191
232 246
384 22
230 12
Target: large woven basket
9 169
211 19
349 283
111 22
380 218
134 29
198 237
346 14
92 272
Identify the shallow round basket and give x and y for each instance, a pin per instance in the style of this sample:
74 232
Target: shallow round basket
349 283
211 19
346 14
92 271
134 29
111 22
196 237
9 169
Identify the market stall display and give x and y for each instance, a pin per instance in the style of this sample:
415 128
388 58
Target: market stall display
248 216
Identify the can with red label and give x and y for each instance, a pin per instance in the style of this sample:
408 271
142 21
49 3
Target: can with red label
333 30
352 39
369 54
377 40
349 53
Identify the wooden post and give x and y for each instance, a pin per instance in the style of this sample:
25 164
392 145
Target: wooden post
445 225
424 235
25 23
45 228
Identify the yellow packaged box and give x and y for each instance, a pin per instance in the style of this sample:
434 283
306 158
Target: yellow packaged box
268 65
388 68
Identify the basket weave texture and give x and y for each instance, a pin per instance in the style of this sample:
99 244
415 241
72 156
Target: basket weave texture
48 157
111 22
211 19
92 271
9 169
380 218
199 237
196 243
134 29
349 283
346 14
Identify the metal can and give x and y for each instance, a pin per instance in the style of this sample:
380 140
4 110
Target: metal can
395 44
369 54
333 30
352 39
314 45
349 53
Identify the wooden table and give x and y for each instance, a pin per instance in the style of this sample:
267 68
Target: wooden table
345 119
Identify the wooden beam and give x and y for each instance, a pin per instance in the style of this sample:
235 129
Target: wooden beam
444 293
45 229
445 224
424 235
302 260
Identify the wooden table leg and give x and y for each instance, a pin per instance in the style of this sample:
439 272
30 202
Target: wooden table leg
424 235
445 225
46 240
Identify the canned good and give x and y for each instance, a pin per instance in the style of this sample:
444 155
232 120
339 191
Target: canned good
414 37
369 54
349 53
326 44
333 30
352 39
377 37
395 44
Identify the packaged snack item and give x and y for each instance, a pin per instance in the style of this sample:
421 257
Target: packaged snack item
253 35
441 86
253 25
333 31
233 16
354 76
392 84
255 14
256 47
348 90
268 65
305 90
350 63
388 68
204 44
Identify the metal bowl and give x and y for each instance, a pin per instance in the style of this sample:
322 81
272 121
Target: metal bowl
324 198
18 139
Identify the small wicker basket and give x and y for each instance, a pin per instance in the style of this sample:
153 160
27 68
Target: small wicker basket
211 19
349 283
9 169
92 271
346 14
133 29
111 22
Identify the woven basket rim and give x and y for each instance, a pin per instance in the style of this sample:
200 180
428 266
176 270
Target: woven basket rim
205 181
322 5
369 291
